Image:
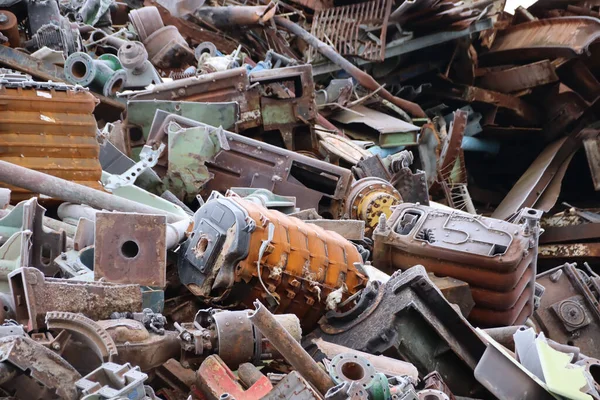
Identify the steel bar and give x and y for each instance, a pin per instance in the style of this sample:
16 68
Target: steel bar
289 348
49 185
362 77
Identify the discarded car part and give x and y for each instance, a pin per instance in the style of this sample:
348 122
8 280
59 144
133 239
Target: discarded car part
140 72
291 350
415 305
104 74
34 296
146 21
346 27
363 78
37 365
319 349
350 229
167 48
85 330
153 321
216 381
111 381
514 381
293 387
542 39
368 199
70 191
390 131
231 336
9 28
250 163
269 256
568 311
496 258
131 248
58 119
225 17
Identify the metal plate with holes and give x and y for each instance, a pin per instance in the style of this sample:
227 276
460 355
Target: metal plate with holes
130 248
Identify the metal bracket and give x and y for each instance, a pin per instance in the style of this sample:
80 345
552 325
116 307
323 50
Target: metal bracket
148 159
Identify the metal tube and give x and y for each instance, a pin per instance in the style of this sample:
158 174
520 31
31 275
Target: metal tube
38 182
289 348
362 77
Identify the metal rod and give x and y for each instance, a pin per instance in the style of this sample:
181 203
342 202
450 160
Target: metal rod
289 348
49 185
362 77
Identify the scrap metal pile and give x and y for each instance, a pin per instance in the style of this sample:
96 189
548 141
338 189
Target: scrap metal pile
302 199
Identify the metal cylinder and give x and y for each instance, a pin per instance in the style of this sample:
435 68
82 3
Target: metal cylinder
9 28
49 185
289 348
133 55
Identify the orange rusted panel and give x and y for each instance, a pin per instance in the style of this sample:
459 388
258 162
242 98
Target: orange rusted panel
49 128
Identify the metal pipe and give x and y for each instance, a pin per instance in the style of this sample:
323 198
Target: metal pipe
289 348
38 182
362 77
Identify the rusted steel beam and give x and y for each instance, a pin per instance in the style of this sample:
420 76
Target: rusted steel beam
43 70
558 234
542 39
226 17
575 252
362 77
520 77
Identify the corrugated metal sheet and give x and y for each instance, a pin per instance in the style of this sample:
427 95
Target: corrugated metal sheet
50 131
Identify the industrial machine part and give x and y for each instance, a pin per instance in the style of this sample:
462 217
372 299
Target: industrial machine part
33 371
131 248
217 382
568 311
233 160
140 72
266 198
104 74
240 251
146 21
368 198
276 100
151 320
352 368
293 387
58 119
496 258
291 350
387 317
61 36
34 296
231 336
148 159
9 28
168 49
111 381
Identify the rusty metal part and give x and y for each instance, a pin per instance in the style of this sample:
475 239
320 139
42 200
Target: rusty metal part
435 381
551 254
265 98
388 317
70 191
576 75
266 255
320 349
9 28
168 49
568 311
216 381
293 387
363 78
369 198
519 78
85 330
174 379
131 248
558 234
545 38
456 292
67 147
291 350
39 365
496 258
35 295
592 151
136 345
229 16
345 28
146 21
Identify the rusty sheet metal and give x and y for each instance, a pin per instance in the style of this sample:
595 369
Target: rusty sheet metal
131 248
519 78
561 234
498 264
345 28
577 76
592 151
34 296
546 38
574 252
50 130
39 365
456 292
568 311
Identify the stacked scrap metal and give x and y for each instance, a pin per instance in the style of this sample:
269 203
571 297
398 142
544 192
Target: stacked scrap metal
303 199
